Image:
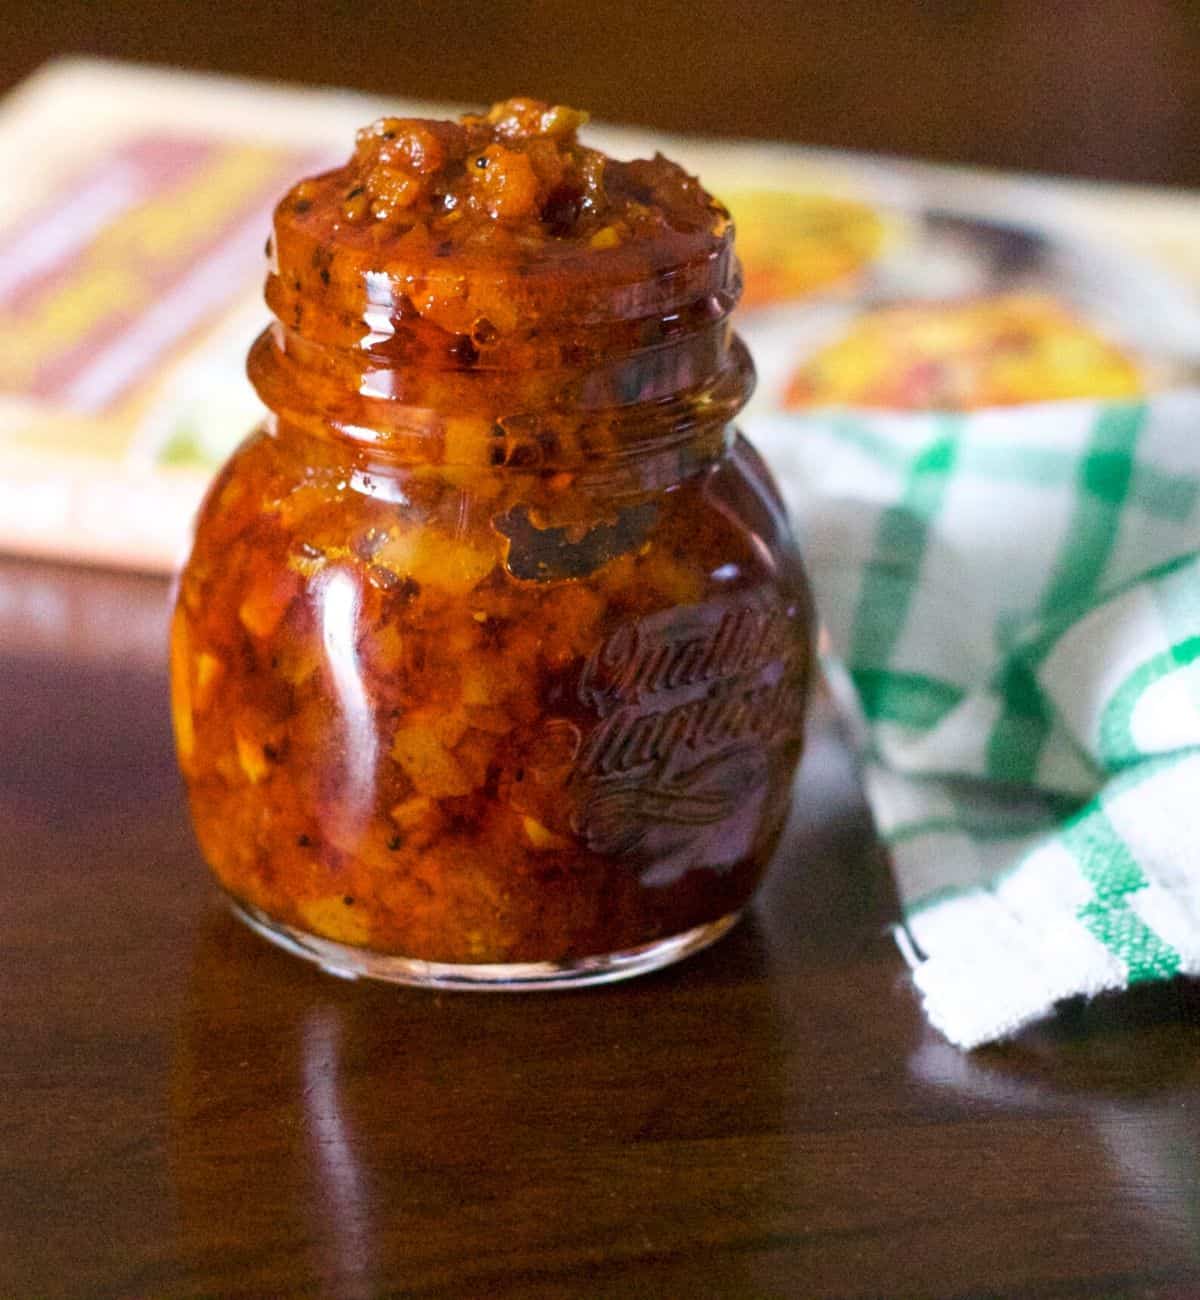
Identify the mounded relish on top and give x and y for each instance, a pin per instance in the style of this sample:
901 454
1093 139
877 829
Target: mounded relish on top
511 182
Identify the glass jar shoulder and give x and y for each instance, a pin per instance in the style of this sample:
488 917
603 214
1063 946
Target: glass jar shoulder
277 517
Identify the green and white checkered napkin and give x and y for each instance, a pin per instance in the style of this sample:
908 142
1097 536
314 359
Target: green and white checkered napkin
1013 598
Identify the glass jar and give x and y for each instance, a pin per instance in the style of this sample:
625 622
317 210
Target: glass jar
491 658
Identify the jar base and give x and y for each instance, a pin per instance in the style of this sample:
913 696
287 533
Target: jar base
352 963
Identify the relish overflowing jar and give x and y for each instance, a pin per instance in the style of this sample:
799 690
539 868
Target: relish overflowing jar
491 658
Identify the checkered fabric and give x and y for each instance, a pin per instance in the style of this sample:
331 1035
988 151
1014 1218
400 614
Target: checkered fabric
1013 601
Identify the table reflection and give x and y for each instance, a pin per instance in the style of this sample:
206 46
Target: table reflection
1133 1060
385 1133
82 615
378 1125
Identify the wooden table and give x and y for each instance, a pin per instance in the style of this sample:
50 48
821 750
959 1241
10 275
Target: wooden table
188 1112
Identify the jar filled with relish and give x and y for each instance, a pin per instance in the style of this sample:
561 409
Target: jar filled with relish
491 658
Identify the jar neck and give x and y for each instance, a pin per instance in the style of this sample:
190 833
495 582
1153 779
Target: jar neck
675 399
598 364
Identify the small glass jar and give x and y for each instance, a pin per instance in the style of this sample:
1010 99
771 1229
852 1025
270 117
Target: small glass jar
491 658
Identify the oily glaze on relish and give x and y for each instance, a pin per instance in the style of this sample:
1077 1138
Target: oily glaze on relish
512 183
493 648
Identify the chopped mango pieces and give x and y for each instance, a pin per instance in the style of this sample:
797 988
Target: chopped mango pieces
428 762
267 601
251 758
541 837
453 565
419 821
336 918
181 689
208 673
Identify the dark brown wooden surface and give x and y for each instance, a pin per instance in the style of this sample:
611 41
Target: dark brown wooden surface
187 1112
1107 88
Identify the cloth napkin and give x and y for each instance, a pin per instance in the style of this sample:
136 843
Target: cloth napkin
1013 603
